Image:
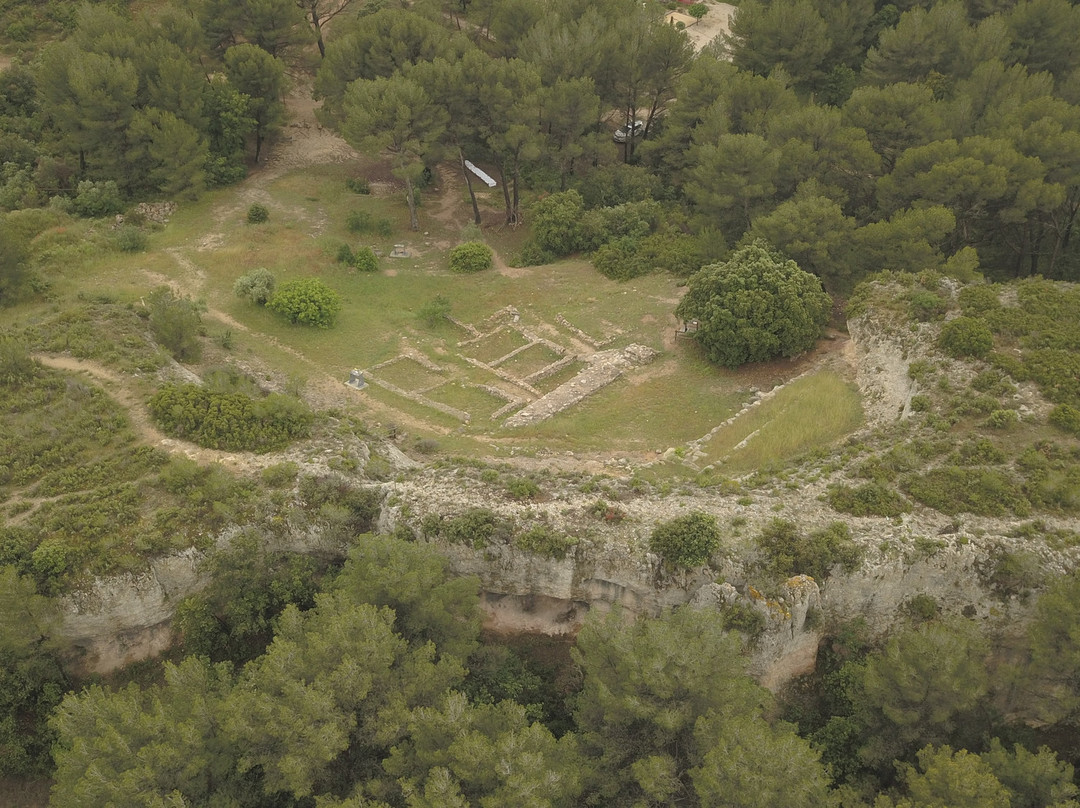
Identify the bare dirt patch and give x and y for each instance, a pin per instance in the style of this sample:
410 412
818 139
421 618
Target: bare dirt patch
712 25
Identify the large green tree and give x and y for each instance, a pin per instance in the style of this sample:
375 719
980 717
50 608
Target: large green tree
261 77
395 115
755 306
32 682
790 34
155 747
924 687
669 717
13 261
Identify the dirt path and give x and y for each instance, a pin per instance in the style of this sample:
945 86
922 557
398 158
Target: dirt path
716 22
121 390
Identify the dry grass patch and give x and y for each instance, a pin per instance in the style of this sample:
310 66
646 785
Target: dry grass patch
813 411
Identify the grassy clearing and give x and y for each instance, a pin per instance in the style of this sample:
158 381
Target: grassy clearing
479 403
495 346
208 245
408 374
674 400
812 411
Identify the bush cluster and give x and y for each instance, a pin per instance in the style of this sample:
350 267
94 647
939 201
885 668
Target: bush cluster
788 552
981 491
966 336
434 311
472 256
257 214
364 259
257 286
541 540
522 488
229 421
358 185
175 323
476 527
130 238
359 221
16 364
686 541
1066 418
306 301
869 499
96 199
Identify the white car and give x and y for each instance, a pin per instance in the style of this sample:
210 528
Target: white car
623 133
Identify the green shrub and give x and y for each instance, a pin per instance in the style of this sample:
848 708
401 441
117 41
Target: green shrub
926 305
522 488
359 221
1057 372
541 540
96 199
175 323
921 607
973 405
257 286
869 499
620 260
533 255
686 541
992 382
979 452
671 250
306 301
130 238
605 512
1003 419
1011 574
229 421
358 185
981 491
631 221
257 214
921 403
1066 418
434 311
615 183
16 365
477 527
472 256
921 370
966 336
280 474
556 223
788 552
978 299
344 254
365 260
744 618
332 499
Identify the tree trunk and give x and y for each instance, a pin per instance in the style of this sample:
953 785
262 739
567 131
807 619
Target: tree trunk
410 198
505 191
318 31
517 199
472 193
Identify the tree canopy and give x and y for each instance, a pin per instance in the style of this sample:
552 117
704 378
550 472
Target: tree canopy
755 306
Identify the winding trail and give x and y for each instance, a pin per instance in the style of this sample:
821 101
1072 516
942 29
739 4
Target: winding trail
122 390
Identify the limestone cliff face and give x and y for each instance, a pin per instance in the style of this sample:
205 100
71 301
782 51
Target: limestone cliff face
126 618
